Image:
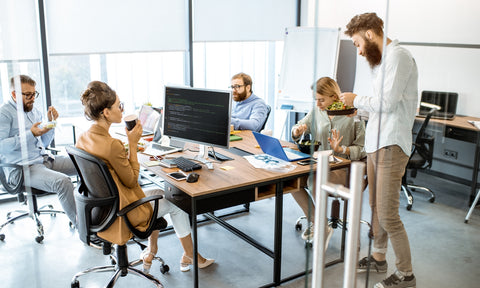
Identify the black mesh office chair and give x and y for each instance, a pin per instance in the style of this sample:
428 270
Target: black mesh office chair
26 196
420 158
97 204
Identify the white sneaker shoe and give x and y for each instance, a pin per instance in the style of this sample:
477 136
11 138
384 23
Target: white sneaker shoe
307 235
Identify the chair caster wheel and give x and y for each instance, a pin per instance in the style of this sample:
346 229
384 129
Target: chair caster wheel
164 269
409 207
308 244
432 199
39 239
298 226
2 237
75 284
70 224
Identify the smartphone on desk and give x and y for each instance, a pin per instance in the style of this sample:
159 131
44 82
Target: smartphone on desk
177 176
306 162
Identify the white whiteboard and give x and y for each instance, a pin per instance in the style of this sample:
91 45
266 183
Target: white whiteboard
309 53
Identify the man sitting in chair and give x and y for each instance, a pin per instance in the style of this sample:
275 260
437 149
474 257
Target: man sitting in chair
249 111
47 172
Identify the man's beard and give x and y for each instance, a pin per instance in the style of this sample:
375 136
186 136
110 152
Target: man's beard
27 108
240 96
372 53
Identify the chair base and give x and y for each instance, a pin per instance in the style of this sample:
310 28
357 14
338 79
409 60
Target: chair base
474 204
122 270
33 215
407 190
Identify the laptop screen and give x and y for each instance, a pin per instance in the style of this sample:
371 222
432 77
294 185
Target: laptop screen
446 100
148 117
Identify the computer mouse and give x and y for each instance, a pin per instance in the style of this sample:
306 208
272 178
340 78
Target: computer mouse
192 177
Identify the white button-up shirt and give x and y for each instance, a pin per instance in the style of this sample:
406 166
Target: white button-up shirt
393 106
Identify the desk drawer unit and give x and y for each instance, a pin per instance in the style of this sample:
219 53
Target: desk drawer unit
210 203
454 151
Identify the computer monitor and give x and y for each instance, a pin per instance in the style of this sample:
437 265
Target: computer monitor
198 115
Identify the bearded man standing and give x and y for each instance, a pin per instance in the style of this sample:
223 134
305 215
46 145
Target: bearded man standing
249 111
388 141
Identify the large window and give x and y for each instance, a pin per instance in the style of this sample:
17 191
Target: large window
138 78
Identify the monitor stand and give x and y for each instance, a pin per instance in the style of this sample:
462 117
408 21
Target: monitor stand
202 156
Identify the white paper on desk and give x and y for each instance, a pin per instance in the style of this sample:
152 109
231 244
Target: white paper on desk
269 163
475 123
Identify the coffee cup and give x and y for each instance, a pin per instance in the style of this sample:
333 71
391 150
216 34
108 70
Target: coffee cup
130 121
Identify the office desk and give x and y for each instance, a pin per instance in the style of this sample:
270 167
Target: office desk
218 189
460 129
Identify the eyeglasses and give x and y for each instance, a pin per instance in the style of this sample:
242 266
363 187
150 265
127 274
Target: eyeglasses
235 87
29 96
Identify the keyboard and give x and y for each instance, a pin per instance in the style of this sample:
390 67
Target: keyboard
186 165
161 147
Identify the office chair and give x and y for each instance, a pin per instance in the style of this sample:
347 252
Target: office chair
269 109
472 207
26 196
97 203
420 158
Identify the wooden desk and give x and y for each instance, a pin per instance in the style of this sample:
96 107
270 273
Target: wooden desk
460 129
218 189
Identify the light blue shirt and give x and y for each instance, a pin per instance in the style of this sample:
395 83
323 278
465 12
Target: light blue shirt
249 114
10 143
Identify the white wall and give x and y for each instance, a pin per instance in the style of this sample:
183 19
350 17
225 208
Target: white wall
425 21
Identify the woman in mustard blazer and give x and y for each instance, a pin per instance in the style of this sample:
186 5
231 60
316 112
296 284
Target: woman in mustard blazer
102 105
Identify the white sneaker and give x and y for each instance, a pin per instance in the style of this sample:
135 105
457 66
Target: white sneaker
307 235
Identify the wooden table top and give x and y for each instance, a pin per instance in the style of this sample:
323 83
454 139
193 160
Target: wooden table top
231 174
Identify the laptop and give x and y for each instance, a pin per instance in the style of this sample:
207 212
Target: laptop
148 117
446 100
157 149
273 147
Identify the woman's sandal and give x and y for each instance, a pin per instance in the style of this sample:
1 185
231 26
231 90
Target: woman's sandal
185 266
146 265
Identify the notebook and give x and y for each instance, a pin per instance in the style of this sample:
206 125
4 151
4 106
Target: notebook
273 147
446 100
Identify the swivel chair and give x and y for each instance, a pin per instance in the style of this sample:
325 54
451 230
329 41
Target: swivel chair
26 196
420 158
269 109
97 203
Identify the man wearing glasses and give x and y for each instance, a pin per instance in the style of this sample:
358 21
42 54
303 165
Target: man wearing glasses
47 172
249 111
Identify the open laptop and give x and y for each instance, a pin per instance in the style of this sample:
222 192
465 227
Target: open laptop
157 149
148 117
446 100
273 147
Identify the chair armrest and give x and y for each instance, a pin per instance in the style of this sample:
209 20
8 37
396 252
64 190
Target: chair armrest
153 221
137 203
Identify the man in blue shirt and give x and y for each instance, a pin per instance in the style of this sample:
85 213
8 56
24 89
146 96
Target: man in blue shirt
249 111
23 139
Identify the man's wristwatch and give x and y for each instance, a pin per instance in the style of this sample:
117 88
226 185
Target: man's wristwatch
344 149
